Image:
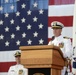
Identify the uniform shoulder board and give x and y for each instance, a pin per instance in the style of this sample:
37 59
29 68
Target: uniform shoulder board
66 37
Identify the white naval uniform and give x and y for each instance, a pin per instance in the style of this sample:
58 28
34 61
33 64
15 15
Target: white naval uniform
66 49
17 70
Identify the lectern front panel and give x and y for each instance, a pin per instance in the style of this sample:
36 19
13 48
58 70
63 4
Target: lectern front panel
39 71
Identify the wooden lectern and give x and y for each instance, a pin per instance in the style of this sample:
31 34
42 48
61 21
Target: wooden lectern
43 56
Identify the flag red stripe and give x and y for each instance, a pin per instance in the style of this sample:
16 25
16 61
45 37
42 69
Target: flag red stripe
66 20
59 2
4 66
49 39
51 2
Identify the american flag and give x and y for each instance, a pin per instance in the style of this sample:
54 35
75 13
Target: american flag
27 22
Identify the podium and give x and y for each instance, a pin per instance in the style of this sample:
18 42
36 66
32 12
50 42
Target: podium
42 58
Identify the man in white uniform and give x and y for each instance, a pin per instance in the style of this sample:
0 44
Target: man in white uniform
63 42
17 69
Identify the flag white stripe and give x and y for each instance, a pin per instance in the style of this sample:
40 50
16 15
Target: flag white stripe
3 73
7 56
61 10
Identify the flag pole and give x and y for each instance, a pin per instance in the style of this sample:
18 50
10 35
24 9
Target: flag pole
74 26
74 40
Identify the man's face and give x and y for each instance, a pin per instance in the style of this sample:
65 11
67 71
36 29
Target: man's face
57 32
18 58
